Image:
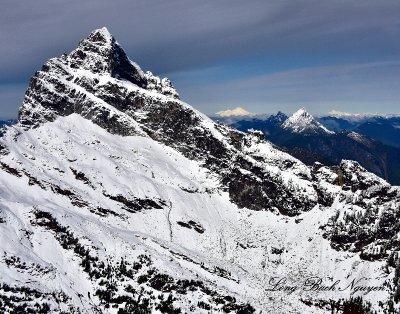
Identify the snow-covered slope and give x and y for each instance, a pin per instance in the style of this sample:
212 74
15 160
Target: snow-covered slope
302 122
116 197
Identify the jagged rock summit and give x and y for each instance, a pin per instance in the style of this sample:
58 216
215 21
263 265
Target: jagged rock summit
117 197
302 122
278 119
83 82
99 53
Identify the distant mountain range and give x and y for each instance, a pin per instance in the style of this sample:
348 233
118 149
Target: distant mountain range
4 123
373 141
385 129
7 122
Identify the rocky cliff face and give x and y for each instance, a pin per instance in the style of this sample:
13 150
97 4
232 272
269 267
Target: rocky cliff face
117 197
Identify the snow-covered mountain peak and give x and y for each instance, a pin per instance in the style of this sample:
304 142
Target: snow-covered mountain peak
96 80
236 112
100 53
300 116
303 122
102 35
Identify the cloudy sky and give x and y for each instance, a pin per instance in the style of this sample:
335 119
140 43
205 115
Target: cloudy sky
262 55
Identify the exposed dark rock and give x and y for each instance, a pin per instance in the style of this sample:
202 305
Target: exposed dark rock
10 169
137 204
81 177
192 224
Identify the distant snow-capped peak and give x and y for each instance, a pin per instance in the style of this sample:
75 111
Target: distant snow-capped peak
238 111
337 113
302 122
